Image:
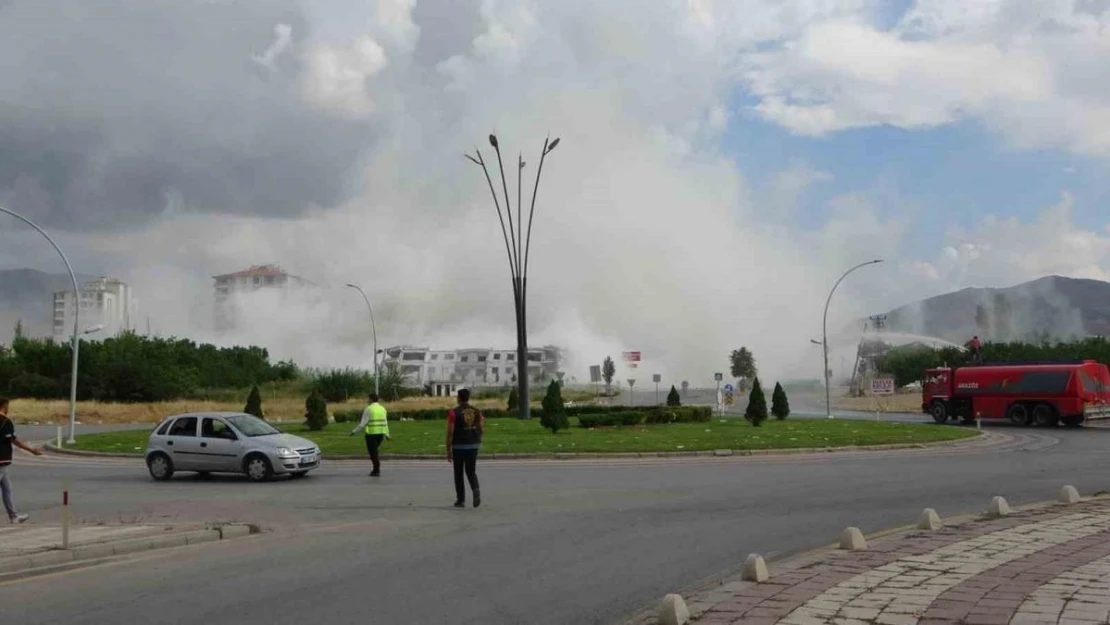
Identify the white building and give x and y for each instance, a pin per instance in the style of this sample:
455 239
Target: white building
259 278
105 301
472 367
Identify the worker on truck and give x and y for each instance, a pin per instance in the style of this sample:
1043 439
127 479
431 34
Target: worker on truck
976 350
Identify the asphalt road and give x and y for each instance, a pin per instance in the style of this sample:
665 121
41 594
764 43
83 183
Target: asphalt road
554 542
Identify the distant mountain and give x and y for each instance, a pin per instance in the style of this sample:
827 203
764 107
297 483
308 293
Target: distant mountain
1052 307
28 295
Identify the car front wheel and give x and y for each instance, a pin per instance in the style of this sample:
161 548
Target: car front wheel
258 468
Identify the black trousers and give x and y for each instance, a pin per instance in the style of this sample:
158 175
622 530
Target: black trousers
373 441
465 460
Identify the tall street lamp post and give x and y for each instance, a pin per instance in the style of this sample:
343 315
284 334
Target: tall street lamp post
373 329
518 243
76 314
825 332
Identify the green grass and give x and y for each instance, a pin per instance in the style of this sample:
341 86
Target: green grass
514 436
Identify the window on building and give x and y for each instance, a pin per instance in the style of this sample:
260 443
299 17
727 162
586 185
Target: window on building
466 358
497 356
435 356
482 358
449 357
413 356
510 356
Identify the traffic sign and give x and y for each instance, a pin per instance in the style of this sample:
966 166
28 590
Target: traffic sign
728 399
631 358
718 376
656 378
729 389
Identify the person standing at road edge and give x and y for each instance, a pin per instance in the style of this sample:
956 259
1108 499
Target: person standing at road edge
7 441
465 426
375 424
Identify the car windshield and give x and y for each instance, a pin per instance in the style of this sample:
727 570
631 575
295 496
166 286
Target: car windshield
252 426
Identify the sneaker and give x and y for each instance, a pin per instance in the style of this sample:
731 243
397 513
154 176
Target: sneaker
20 518
477 499
375 474
460 504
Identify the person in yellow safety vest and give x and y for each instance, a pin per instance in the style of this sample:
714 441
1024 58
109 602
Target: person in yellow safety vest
375 424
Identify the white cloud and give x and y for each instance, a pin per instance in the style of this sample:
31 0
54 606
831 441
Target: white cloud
1031 71
337 76
283 37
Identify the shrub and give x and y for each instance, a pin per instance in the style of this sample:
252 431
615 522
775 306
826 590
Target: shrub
613 419
554 416
672 398
35 385
316 412
757 405
254 403
338 385
679 414
513 403
780 405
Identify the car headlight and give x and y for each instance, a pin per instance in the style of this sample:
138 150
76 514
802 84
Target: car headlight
285 452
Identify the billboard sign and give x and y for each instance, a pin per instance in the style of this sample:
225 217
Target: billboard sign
882 386
595 373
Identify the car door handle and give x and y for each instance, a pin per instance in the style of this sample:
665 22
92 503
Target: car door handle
204 444
169 443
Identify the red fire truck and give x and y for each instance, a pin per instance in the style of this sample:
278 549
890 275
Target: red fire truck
1044 394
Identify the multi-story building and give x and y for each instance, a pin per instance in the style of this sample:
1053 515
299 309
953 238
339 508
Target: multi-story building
105 301
474 366
259 278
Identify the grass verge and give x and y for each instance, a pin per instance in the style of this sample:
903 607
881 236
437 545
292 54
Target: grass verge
515 436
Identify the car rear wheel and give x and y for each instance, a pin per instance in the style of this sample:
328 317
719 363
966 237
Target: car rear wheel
939 411
1044 416
1018 414
258 468
160 466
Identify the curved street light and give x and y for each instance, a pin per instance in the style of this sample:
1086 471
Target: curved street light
76 314
518 244
825 332
374 329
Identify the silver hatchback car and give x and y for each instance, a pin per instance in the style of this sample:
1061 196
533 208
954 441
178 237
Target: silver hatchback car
227 442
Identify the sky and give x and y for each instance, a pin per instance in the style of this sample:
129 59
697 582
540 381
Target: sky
721 162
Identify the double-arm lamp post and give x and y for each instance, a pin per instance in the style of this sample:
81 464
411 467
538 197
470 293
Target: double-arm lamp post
518 242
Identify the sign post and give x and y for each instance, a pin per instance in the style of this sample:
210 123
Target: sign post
595 377
631 397
729 390
718 377
881 386
656 378
632 359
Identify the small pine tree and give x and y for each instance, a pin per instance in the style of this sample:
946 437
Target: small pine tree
780 405
757 405
554 411
514 400
254 403
672 398
316 412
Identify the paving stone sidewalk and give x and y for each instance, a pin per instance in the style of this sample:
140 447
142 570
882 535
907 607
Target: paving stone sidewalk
1039 566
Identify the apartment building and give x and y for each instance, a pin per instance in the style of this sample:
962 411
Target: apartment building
105 301
481 366
258 278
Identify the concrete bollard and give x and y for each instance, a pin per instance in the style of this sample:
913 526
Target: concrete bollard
1069 494
929 520
998 507
673 611
755 569
852 539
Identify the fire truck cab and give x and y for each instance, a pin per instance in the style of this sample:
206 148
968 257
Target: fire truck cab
1044 394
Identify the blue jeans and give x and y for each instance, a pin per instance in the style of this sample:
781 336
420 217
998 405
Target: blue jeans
6 491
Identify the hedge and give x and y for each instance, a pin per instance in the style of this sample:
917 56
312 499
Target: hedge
592 414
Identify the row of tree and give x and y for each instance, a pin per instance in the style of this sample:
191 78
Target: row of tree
908 363
130 367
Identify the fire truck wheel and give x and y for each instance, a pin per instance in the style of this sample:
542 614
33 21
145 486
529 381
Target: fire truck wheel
1072 422
1018 414
1045 416
939 411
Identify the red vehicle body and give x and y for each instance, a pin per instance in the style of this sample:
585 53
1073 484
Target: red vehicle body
1042 394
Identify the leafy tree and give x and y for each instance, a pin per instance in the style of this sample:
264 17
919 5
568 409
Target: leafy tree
756 411
742 363
554 411
672 398
391 381
254 403
780 405
316 412
608 370
514 400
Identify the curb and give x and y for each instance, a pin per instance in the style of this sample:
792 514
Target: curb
981 434
789 561
57 559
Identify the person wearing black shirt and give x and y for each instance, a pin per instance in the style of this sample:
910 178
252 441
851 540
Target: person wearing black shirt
8 440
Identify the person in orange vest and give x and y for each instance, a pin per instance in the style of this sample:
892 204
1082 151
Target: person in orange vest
976 350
